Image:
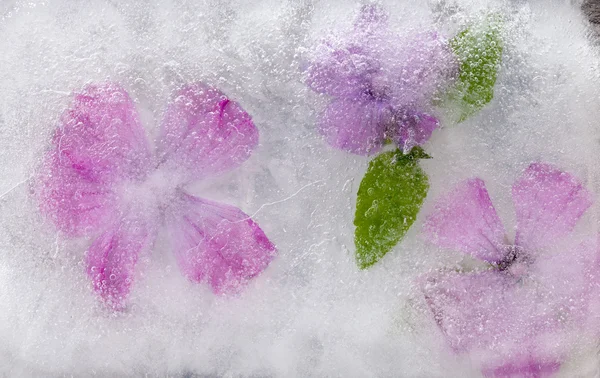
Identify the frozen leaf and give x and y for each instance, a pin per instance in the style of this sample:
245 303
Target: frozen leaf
479 50
389 198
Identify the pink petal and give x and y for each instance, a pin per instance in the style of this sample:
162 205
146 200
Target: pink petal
524 367
423 64
548 203
492 314
204 132
78 202
112 257
465 220
470 309
342 70
99 142
355 126
506 321
218 244
347 66
570 277
415 129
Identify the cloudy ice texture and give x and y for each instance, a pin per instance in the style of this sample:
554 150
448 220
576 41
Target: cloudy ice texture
312 312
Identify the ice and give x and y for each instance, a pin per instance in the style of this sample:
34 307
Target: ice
312 312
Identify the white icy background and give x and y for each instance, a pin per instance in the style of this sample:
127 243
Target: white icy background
312 313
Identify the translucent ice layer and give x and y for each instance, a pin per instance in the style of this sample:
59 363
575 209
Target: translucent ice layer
312 312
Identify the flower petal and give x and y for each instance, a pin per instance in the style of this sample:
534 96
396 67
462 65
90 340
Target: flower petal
342 70
509 323
99 142
345 66
469 308
548 203
524 367
423 65
488 312
77 201
569 277
112 257
465 220
355 126
218 244
204 133
415 129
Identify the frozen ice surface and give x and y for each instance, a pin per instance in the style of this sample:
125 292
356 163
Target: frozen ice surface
312 313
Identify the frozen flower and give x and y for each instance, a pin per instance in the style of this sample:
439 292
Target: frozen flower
381 85
513 314
101 179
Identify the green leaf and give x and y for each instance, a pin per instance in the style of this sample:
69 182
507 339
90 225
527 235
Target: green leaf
389 198
479 51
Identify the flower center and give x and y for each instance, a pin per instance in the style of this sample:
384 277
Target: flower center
152 194
376 94
515 262
377 90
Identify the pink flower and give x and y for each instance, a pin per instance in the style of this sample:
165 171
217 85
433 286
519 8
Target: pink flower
381 85
513 314
100 179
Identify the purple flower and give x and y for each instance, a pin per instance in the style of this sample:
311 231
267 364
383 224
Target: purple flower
101 179
381 85
512 314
